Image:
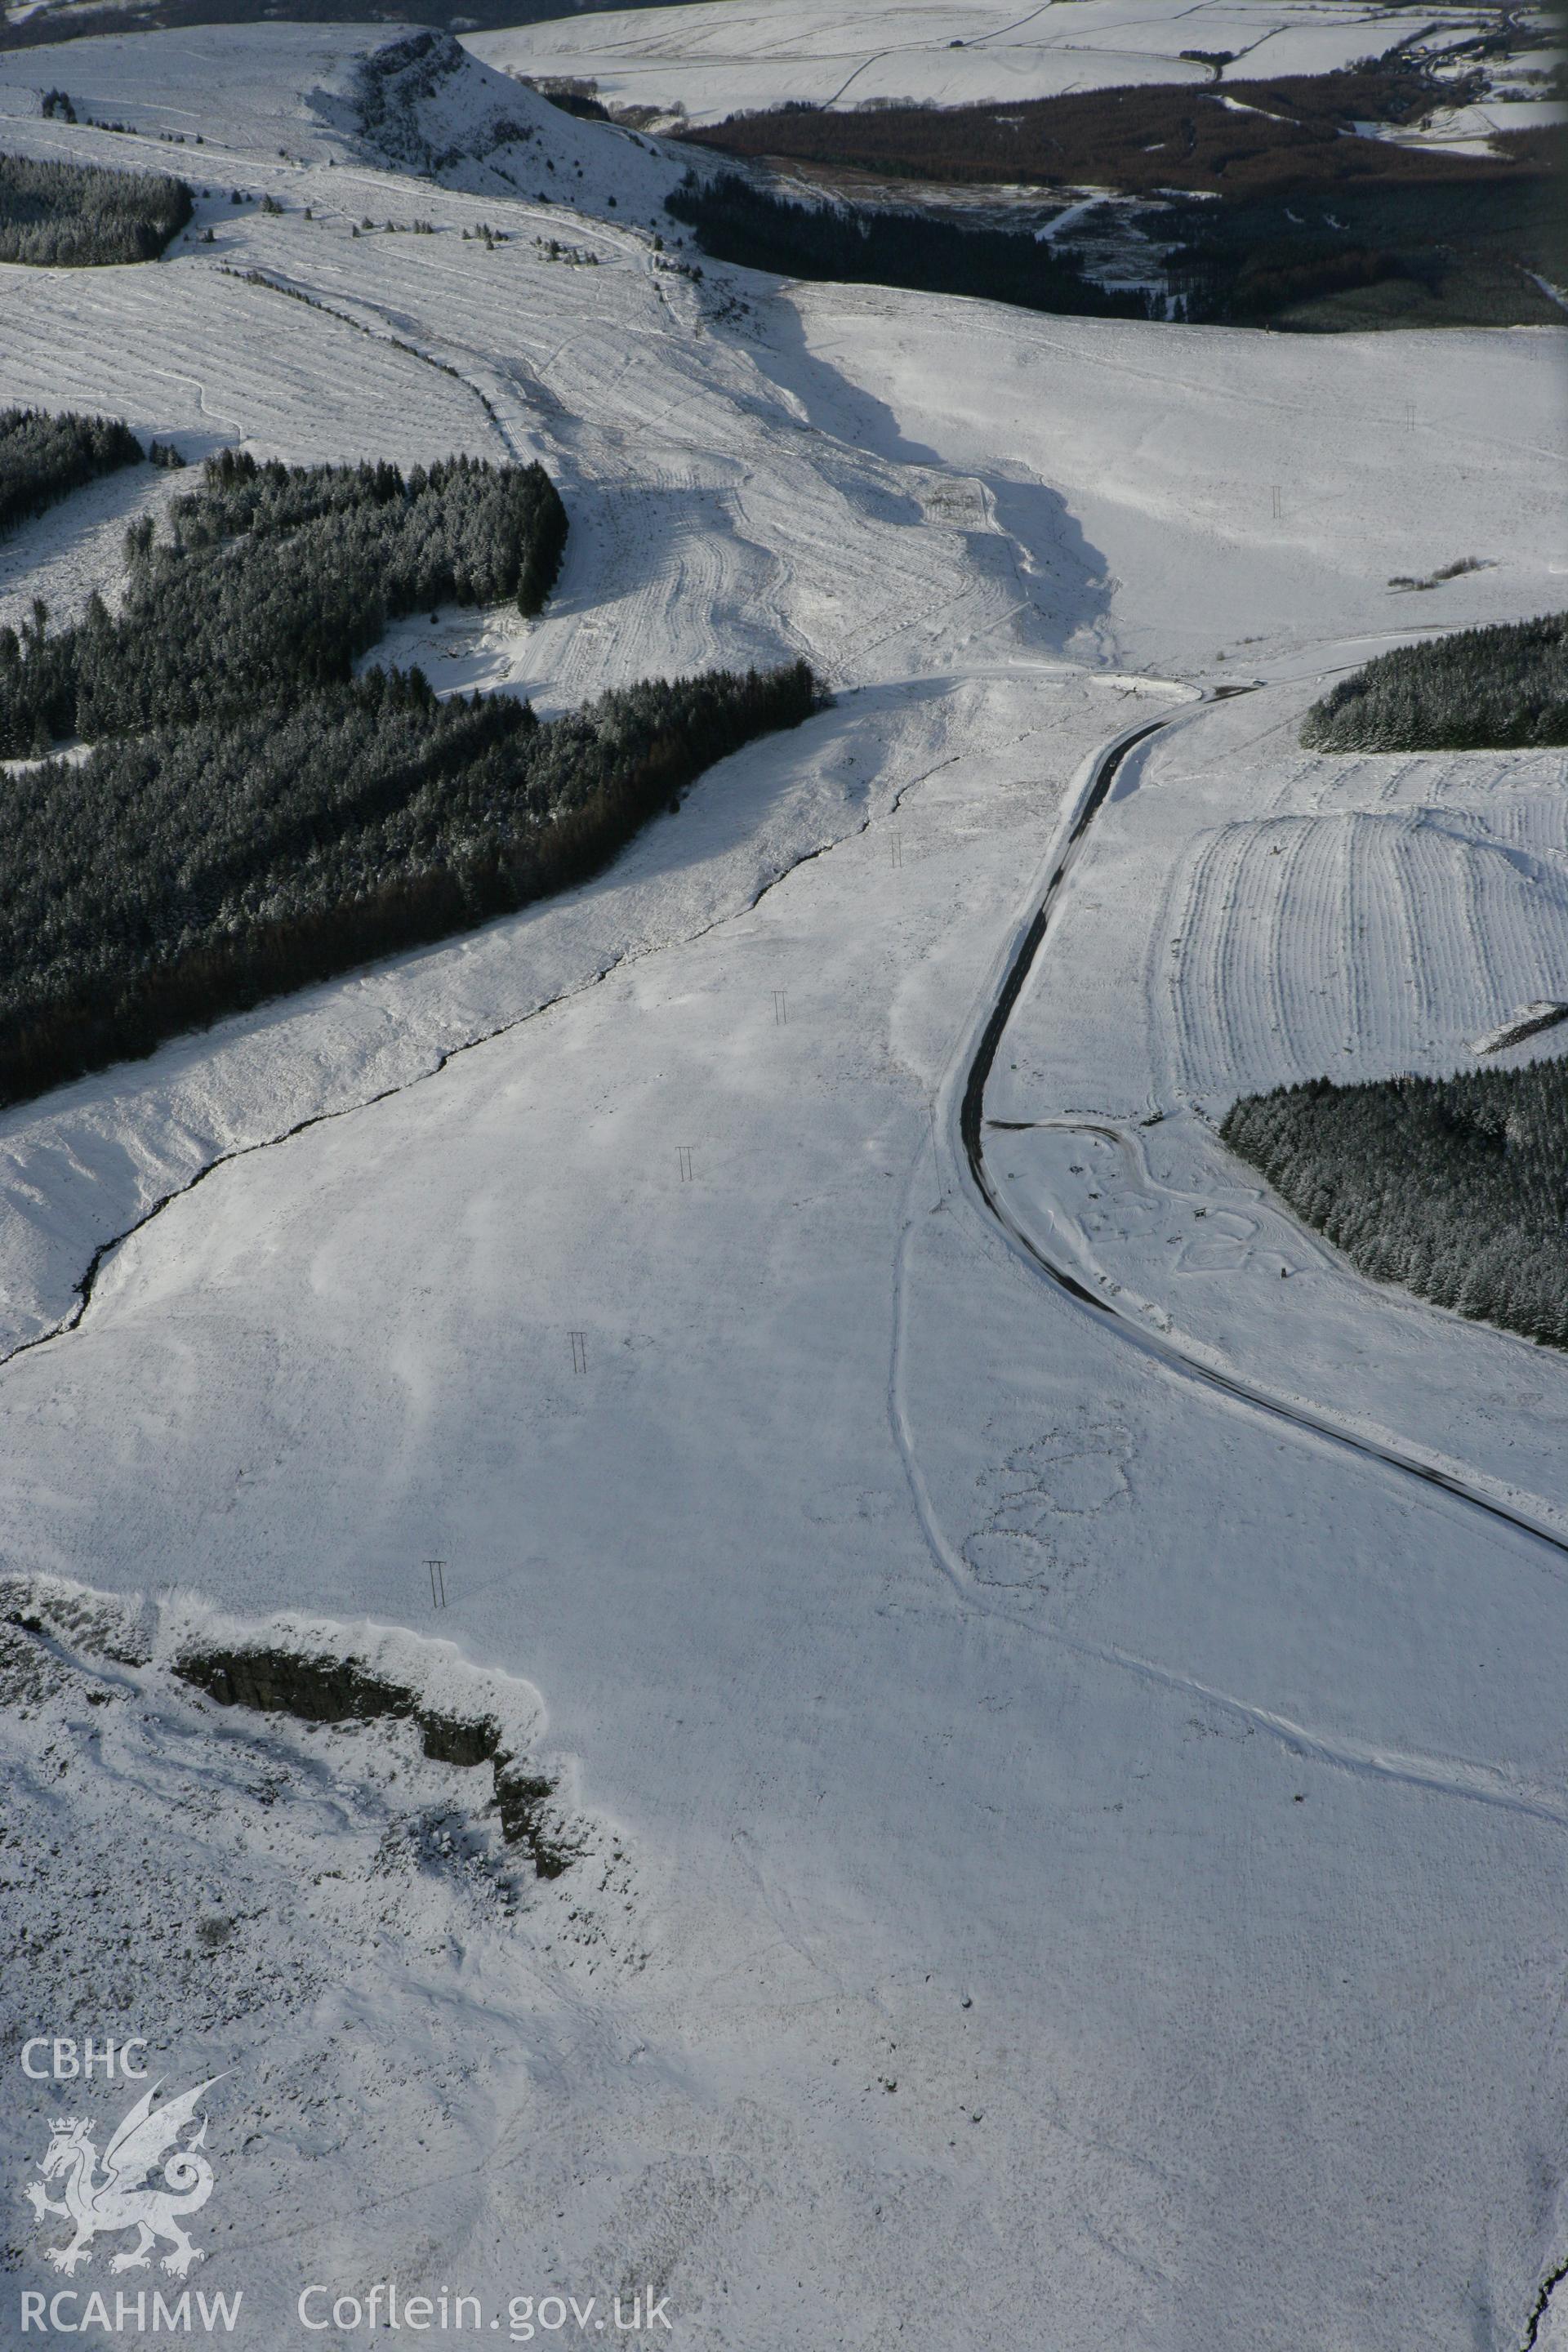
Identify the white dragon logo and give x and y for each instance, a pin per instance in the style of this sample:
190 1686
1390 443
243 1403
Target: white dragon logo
118 2199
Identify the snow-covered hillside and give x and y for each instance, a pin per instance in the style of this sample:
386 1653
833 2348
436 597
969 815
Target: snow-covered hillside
1069 1853
258 95
1243 496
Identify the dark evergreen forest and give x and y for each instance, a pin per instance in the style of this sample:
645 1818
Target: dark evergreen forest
76 215
1480 689
737 221
1456 1187
173 877
253 817
272 582
43 457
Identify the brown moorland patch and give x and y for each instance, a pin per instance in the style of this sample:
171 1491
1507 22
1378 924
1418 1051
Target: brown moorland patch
1236 139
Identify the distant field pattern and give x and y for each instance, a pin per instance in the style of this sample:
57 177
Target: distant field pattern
714 60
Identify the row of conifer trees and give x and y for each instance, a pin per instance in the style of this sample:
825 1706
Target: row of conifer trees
173 877
736 220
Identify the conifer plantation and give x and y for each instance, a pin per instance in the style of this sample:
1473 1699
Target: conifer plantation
253 816
79 216
43 457
1503 688
1456 1187
735 220
272 582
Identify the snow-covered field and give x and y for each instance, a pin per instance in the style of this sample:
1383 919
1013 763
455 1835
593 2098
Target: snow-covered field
710 60
1070 1856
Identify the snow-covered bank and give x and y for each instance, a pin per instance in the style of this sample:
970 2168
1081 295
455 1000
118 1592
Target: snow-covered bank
1251 497
92 1160
328 1911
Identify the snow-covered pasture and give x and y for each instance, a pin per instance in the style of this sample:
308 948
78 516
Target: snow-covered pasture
1375 913
228 83
711 521
268 101
927 1654
853 476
